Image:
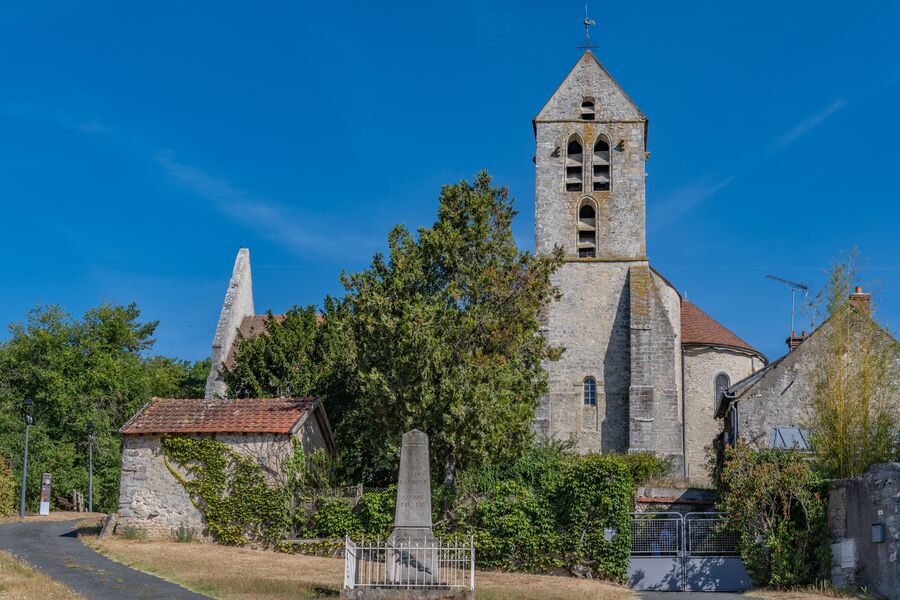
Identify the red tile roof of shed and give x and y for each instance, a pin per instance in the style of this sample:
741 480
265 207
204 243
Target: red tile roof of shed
252 415
697 327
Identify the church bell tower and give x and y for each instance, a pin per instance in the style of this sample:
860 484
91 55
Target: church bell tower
615 388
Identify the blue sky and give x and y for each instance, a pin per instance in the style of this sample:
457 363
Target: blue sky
140 146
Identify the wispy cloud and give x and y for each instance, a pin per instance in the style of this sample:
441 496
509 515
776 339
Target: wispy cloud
809 123
685 198
689 196
266 218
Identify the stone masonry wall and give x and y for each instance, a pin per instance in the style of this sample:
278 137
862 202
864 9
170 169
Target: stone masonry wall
153 501
854 507
701 366
591 322
654 400
238 304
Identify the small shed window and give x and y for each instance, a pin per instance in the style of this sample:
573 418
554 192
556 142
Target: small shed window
601 165
590 391
789 438
574 165
587 231
587 109
722 383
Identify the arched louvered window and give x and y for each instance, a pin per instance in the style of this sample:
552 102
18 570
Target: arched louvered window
587 109
590 391
587 231
574 165
601 165
722 383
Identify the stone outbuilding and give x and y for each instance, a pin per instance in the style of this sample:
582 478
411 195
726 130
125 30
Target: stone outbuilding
772 408
153 501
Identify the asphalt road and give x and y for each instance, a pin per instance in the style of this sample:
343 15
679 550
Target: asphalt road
54 549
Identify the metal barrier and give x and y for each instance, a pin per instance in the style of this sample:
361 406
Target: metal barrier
693 552
656 534
409 564
710 534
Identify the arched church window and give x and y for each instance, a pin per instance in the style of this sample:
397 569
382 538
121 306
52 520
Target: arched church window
601 165
587 231
722 383
587 109
574 163
590 391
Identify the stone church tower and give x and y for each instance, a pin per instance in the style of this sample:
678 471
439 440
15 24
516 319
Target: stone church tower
617 387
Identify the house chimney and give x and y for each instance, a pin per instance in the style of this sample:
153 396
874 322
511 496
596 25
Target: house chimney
860 301
794 340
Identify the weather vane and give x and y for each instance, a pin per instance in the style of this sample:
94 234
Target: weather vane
588 23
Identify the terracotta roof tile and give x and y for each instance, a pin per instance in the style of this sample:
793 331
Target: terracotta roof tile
252 415
697 327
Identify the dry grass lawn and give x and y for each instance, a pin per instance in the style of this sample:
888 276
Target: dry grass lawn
243 574
18 581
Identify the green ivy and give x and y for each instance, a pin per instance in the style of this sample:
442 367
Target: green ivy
230 489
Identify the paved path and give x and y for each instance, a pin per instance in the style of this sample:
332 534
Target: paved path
54 549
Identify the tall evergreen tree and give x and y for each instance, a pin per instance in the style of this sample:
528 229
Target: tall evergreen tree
446 338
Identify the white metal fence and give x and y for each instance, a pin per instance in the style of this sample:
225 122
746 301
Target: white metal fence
409 564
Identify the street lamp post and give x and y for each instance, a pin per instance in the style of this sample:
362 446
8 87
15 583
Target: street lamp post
90 466
29 404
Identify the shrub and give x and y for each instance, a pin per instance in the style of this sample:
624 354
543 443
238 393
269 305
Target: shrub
334 518
514 529
183 535
778 504
595 493
644 466
375 512
552 507
7 490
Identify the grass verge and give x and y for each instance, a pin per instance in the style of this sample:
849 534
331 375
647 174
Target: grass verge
20 582
232 573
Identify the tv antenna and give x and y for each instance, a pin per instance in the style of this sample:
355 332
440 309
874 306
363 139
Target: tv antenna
795 287
588 23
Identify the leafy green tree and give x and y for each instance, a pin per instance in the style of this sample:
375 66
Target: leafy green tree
855 399
97 368
446 338
280 363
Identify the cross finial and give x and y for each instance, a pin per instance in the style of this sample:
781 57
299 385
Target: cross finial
588 23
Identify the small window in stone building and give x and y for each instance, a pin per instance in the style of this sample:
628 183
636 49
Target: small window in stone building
590 391
722 384
574 164
601 165
587 109
587 231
